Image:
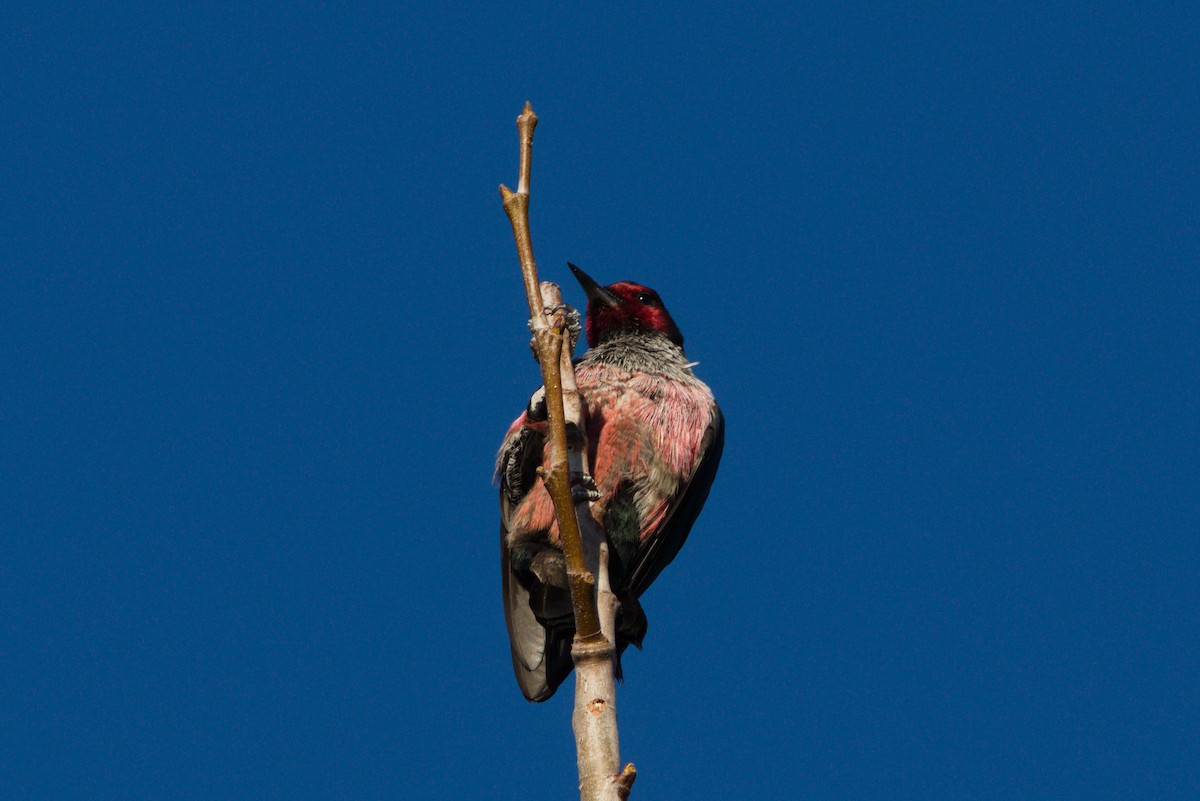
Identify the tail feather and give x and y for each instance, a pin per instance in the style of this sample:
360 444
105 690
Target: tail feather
541 624
541 627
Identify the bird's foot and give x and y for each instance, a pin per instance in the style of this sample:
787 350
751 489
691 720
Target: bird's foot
584 489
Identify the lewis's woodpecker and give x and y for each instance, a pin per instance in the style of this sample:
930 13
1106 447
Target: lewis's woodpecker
655 436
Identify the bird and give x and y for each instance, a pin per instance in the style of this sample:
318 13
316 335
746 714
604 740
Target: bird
655 436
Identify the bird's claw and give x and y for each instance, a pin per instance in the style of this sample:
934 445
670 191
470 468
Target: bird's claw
584 489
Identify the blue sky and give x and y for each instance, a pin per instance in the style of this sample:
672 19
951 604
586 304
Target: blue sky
263 329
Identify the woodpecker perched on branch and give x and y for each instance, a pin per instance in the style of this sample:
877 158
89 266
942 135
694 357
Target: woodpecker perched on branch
655 436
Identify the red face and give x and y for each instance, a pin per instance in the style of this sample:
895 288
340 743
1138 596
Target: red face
637 308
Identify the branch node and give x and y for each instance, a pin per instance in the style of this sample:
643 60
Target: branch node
595 646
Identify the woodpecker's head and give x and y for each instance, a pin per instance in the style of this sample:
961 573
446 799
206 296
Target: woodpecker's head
622 307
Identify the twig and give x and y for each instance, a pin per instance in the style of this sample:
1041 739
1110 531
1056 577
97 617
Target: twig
549 330
595 715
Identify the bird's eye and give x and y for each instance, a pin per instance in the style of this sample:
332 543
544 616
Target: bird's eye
647 299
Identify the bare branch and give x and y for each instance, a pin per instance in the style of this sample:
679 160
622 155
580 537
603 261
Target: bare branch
594 719
549 331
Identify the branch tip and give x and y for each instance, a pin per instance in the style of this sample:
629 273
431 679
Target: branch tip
527 118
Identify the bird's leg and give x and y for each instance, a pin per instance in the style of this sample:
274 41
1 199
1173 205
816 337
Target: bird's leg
583 486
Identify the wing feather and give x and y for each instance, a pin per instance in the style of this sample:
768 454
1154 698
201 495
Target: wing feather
658 551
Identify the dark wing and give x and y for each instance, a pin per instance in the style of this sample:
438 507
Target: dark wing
541 627
537 603
658 552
